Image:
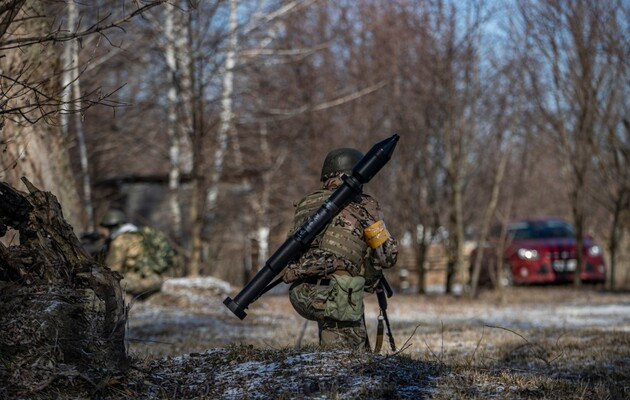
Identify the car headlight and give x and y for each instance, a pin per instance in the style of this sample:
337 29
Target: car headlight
528 254
595 250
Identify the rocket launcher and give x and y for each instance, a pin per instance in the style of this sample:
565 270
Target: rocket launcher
300 240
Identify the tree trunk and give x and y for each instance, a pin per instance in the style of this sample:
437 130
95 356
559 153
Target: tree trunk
485 227
421 256
195 95
614 243
456 236
88 208
66 78
171 129
71 111
263 228
36 150
196 221
227 115
578 219
500 264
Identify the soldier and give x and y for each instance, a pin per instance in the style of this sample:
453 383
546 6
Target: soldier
127 253
328 280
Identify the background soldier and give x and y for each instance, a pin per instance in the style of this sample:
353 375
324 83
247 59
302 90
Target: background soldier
329 280
142 256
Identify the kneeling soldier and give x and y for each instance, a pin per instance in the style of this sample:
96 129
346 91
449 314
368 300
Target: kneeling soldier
142 255
329 280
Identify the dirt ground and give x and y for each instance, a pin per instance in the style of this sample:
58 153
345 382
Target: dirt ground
542 342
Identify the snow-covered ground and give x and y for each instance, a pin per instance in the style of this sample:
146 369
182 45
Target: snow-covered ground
551 336
615 316
192 311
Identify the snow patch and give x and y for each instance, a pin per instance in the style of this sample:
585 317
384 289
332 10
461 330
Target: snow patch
54 305
214 285
606 316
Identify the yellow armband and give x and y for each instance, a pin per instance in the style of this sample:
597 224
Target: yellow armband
376 234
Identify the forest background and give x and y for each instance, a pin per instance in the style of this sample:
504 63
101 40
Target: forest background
211 119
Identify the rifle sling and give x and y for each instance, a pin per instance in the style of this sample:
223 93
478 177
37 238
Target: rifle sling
389 331
268 288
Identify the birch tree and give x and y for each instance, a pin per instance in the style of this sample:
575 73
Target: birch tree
227 115
72 99
174 127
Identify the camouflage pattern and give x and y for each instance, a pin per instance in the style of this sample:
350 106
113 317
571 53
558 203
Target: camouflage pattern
309 300
356 216
343 335
142 257
158 255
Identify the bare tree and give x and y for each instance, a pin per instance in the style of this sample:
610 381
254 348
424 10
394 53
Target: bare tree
24 84
35 99
71 96
613 163
574 83
456 94
174 127
489 211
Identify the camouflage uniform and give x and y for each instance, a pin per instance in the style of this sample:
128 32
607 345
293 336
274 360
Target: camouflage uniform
310 274
126 255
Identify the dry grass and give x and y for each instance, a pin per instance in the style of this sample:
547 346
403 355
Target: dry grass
544 342
543 364
480 360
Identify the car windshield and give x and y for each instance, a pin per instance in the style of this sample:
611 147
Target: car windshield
540 230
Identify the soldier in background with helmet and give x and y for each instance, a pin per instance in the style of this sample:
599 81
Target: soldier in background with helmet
126 253
329 279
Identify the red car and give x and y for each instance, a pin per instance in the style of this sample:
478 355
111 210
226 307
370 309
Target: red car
543 251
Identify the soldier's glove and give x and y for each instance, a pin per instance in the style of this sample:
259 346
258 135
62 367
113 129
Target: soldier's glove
376 234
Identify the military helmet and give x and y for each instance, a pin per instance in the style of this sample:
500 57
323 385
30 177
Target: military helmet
113 217
340 160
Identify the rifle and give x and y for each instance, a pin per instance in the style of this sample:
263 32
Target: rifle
383 291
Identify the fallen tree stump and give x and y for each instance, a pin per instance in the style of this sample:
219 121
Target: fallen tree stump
62 315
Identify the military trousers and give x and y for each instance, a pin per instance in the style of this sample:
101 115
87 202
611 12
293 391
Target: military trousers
309 300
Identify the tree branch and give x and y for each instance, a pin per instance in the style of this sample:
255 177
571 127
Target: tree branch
58 36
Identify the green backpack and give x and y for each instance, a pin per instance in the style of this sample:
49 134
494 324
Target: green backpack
157 253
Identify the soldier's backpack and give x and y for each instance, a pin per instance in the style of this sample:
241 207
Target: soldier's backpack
157 253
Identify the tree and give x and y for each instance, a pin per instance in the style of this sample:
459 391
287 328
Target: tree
71 98
575 85
456 93
32 100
